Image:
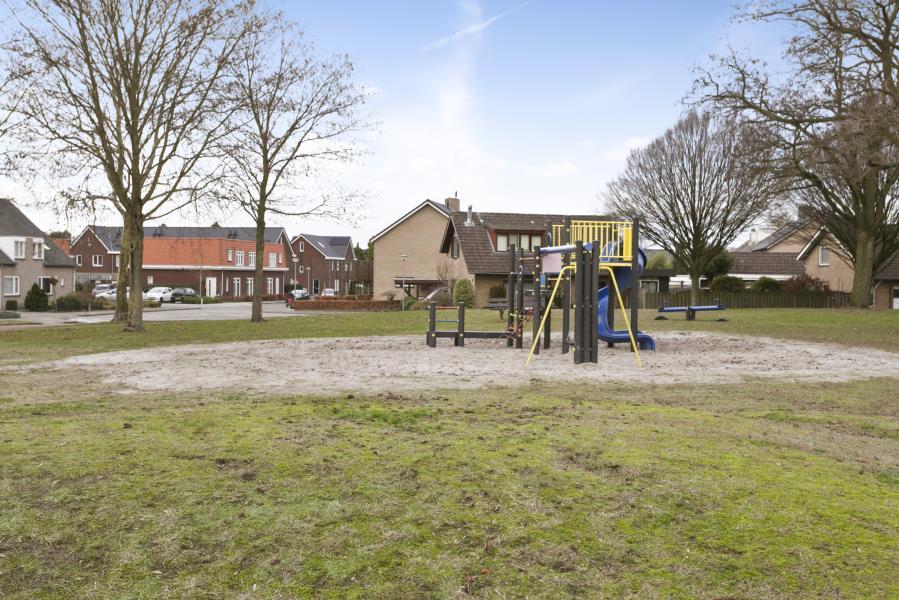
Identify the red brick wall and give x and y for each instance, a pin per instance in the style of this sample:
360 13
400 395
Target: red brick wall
315 266
87 246
196 280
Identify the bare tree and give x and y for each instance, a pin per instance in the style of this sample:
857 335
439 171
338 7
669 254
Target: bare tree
694 189
446 271
129 92
832 120
295 110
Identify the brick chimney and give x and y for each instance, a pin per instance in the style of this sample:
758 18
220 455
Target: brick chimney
452 203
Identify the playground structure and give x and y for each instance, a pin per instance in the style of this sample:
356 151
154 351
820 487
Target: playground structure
691 310
570 268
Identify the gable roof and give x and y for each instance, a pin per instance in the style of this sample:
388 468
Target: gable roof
766 263
111 236
332 247
441 208
14 222
779 235
475 242
5 261
890 269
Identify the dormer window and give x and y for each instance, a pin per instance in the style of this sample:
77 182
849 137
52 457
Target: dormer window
524 240
20 249
37 252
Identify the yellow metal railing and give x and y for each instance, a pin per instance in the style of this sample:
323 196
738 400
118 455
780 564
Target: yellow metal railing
603 233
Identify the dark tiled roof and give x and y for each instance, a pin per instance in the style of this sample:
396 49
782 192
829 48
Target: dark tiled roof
766 263
13 222
5 261
112 236
890 270
330 246
474 239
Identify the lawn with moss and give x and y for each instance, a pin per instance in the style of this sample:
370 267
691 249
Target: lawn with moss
875 329
753 491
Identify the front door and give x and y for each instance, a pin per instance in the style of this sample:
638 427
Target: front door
210 286
896 298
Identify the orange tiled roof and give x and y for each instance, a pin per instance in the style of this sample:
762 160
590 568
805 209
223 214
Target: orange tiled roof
64 245
204 252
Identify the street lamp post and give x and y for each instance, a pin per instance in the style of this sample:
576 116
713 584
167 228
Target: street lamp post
295 260
403 257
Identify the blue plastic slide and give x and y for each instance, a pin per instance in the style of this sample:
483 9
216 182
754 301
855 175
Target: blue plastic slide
607 334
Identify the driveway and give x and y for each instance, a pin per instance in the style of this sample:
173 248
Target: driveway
172 312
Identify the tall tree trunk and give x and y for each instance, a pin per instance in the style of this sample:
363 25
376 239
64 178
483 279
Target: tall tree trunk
136 300
257 268
694 288
860 296
123 277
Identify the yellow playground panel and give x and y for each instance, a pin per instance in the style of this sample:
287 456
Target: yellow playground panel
603 233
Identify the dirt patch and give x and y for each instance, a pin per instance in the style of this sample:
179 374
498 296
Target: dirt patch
327 366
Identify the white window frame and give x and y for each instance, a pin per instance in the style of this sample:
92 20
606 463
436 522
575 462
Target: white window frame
236 286
79 261
16 287
273 259
230 254
269 285
251 259
302 246
249 286
238 258
37 250
118 261
95 262
49 280
61 282
302 268
823 256
149 280
19 250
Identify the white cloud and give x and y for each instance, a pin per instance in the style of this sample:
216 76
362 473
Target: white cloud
621 151
563 168
470 30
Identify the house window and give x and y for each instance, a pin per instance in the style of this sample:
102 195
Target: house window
301 268
455 246
230 254
238 258
11 285
823 256
149 280
20 249
249 286
336 286
97 260
269 285
251 259
237 283
523 241
272 260
302 246
280 259
118 261
37 251
46 284
79 261
62 282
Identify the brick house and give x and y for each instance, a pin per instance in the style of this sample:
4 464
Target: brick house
216 261
326 262
815 252
28 256
416 235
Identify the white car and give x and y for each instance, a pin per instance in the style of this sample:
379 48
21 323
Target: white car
159 294
110 295
102 288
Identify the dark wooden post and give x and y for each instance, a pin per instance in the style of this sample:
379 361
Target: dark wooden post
580 269
538 299
635 277
519 300
594 304
547 331
460 325
566 285
510 296
432 324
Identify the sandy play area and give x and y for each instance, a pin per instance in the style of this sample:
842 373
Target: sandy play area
331 365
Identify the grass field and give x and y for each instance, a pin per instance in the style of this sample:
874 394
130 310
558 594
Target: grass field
762 489
876 329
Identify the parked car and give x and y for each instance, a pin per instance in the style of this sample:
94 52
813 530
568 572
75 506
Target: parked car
179 294
328 292
110 295
103 287
296 295
160 294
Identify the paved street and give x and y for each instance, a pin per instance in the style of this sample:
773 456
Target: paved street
171 312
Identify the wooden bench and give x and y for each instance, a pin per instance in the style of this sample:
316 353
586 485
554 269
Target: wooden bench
502 306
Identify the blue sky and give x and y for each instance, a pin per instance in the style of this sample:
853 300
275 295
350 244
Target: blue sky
516 106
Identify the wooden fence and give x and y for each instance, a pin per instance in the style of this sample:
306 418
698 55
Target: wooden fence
747 299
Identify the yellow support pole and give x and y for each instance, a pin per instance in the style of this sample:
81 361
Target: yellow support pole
549 307
627 321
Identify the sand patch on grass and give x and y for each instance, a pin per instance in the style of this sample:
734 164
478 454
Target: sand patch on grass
395 363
